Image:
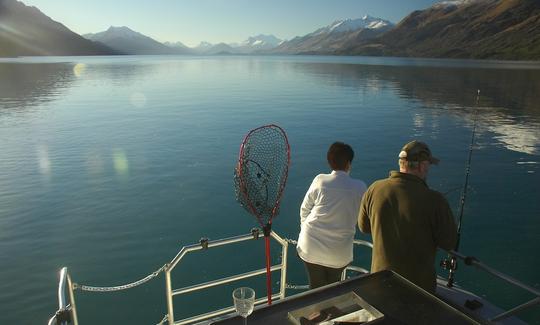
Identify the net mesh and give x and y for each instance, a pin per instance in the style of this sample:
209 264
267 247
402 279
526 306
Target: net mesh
261 172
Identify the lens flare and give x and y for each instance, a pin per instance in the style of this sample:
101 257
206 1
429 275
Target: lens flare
121 164
44 161
79 69
138 100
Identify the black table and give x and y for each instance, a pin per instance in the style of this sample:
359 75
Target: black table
399 300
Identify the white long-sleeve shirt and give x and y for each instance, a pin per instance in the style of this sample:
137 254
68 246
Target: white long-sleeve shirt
328 218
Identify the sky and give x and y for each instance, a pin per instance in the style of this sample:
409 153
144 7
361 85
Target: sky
215 21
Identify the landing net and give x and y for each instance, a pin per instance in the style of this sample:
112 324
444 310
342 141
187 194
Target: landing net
261 172
259 180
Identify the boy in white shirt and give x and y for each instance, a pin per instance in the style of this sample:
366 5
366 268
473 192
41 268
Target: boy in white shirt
328 217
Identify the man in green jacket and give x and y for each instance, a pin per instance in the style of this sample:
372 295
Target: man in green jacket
408 220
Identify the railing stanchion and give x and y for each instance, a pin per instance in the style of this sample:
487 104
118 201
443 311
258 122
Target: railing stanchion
168 285
284 264
72 300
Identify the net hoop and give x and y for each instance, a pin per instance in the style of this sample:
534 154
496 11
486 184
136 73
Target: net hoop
242 191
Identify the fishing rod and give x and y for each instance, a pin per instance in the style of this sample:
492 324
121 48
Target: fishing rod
450 263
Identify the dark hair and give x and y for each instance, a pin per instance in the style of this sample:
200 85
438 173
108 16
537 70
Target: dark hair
339 154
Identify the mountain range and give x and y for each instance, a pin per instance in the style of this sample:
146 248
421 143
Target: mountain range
481 29
333 37
127 41
494 29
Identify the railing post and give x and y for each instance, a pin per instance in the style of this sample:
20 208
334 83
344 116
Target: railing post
169 296
72 300
284 263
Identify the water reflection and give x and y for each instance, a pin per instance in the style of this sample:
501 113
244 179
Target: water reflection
122 74
515 136
454 86
508 101
33 84
508 104
25 85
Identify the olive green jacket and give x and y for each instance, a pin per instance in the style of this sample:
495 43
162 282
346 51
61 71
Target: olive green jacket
407 221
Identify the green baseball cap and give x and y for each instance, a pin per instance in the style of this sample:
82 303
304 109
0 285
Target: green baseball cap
417 151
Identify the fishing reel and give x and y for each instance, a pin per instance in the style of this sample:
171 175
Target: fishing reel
450 264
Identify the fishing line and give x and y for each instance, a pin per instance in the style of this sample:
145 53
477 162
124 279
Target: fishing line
451 265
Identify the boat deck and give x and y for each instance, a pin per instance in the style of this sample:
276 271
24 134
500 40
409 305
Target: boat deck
400 301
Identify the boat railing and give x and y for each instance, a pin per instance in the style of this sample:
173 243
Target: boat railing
67 312
473 261
354 268
211 244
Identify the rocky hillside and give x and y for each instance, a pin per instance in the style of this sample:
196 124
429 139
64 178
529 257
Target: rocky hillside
26 31
480 29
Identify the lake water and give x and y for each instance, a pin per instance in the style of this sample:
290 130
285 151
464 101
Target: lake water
108 165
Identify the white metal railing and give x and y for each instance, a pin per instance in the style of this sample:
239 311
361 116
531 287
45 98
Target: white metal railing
354 268
170 292
472 261
67 312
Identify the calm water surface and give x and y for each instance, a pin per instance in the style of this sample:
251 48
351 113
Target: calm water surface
109 165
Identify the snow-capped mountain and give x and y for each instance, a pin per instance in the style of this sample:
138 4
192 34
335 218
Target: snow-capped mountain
477 29
258 43
250 45
262 41
454 3
335 36
349 25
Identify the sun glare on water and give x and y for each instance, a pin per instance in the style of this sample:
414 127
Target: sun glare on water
121 164
79 69
138 100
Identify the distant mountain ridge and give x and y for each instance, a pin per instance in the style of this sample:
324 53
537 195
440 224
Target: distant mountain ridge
127 41
350 25
262 40
26 31
252 45
479 29
259 43
176 44
335 36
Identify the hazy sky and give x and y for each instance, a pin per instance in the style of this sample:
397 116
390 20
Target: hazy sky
214 21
